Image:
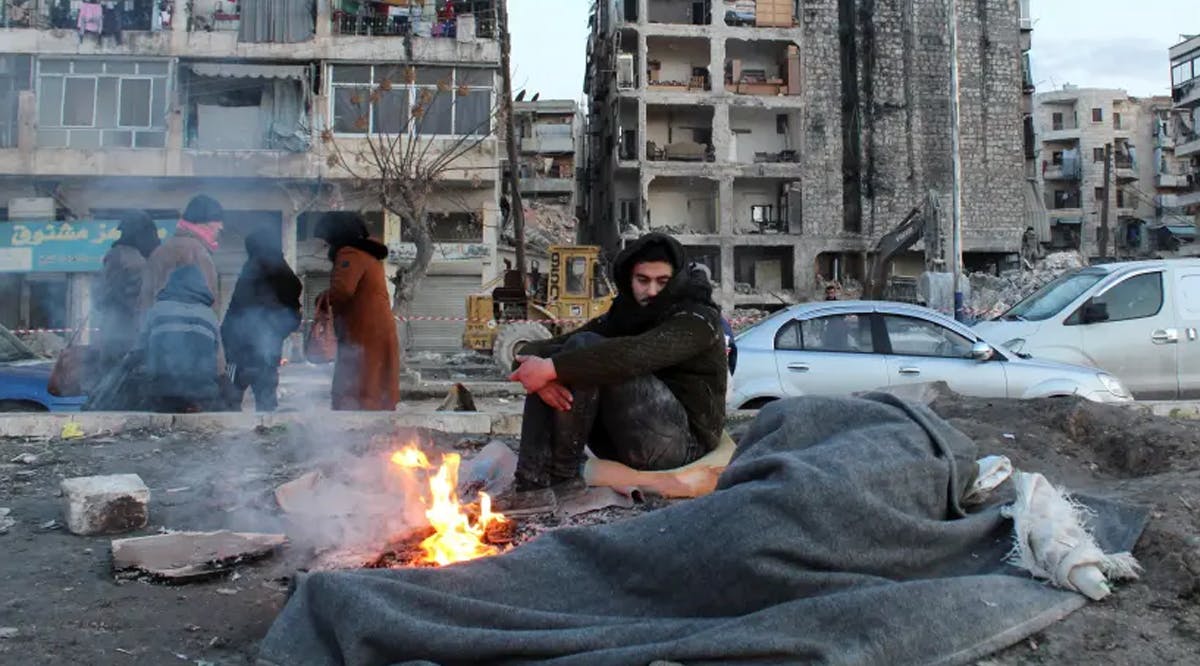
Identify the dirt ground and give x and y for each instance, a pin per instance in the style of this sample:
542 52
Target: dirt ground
58 591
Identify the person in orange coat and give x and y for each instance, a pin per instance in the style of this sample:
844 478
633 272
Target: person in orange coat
366 374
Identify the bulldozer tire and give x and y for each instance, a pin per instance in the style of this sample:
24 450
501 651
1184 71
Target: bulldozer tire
510 340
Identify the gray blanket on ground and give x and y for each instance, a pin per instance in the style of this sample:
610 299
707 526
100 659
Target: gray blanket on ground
835 536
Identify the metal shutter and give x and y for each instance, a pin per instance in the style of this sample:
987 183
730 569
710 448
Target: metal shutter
440 296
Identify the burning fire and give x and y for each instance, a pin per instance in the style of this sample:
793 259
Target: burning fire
456 538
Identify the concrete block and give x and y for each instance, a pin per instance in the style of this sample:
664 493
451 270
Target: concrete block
507 423
464 423
106 504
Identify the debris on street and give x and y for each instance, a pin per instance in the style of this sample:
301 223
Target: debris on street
992 295
458 399
106 504
26 459
9 632
189 556
5 521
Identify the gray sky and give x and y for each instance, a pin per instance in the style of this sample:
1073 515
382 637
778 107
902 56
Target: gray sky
1108 43
1089 43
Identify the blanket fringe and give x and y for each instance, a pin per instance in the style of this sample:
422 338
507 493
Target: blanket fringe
1051 540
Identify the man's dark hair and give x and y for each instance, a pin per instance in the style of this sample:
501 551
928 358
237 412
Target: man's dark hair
653 252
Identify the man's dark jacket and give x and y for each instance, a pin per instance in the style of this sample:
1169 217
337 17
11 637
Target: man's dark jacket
678 337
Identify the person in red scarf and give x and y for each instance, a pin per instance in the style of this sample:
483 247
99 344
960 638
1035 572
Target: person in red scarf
195 240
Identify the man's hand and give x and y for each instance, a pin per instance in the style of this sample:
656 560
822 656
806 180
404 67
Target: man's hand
557 396
535 373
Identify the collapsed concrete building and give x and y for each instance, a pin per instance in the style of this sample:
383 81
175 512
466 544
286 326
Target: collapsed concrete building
780 139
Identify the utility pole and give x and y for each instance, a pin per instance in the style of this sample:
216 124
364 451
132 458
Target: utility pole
1102 232
516 209
955 166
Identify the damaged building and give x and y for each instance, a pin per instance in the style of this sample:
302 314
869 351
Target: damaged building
245 102
780 139
1075 127
549 134
1179 143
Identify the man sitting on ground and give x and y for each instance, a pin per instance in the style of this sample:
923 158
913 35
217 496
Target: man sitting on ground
643 384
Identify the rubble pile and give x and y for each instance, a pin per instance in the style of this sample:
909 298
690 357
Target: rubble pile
993 294
546 225
44 343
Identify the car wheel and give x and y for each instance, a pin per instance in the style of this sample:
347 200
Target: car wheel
758 403
11 406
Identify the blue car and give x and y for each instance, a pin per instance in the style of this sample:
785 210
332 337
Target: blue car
23 379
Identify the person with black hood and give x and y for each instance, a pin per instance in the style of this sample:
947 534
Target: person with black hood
643 384
366 374
119 285
179 345
264 310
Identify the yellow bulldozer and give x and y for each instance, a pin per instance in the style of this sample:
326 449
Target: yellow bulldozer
503 319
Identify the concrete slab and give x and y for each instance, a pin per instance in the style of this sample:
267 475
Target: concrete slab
185 556
50 426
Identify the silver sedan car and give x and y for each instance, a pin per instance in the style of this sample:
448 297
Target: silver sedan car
844 347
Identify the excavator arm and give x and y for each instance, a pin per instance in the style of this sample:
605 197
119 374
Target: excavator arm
907 234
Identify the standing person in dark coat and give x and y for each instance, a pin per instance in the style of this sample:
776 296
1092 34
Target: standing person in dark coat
116 292
264 310
366 375
179 341
643 384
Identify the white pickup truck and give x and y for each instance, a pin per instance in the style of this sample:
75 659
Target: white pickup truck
1137 320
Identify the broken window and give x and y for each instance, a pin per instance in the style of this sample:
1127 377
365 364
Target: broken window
456 227
436 101
761 214
99 103
246 107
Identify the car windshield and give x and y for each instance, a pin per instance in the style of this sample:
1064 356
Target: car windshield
1052 298
12 349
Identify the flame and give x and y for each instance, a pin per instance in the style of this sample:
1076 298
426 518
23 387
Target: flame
456 537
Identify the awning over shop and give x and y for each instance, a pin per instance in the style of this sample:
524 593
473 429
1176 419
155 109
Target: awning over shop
1185 232
242 71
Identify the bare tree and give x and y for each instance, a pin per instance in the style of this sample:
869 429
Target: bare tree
397 152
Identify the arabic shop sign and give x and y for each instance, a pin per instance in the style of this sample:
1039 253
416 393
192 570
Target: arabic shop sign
60 247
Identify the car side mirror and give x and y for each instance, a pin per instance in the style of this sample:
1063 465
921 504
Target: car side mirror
982 351
1094 313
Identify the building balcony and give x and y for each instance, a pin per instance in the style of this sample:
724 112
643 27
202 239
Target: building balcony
546 185
1187 96
218 35
1060 133
1125 169
1188 147
1171 180
1070 171
547 145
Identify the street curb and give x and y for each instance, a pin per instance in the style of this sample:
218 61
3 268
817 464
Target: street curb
50 426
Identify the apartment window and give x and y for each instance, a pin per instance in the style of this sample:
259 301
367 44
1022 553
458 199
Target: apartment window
1120 198
1099 194
781 123
1116 120
1056 158
761 214
1056 121
1184 72
389 99
1097 154
1097 115
96 103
